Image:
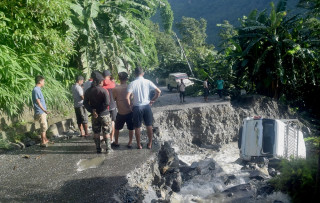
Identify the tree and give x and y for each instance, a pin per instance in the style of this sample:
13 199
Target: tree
34 40
115 34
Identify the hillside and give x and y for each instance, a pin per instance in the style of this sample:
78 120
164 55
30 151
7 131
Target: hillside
215 11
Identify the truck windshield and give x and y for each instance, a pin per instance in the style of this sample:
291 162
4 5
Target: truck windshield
268 135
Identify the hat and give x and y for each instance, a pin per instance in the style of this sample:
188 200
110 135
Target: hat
106 73
96 75
123 75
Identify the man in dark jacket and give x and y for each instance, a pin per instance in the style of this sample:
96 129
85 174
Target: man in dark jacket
97 101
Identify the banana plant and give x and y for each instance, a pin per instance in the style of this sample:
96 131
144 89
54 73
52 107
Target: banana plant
115 34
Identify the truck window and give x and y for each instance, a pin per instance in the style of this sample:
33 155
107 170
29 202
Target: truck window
268 136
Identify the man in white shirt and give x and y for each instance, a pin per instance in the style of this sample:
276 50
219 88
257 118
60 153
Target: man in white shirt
206 89
140 88
182 90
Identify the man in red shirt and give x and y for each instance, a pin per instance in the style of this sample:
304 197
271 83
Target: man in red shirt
108 84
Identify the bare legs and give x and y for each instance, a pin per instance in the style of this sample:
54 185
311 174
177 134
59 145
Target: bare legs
83 127
113 130
150 135
44 139
137 132
116 137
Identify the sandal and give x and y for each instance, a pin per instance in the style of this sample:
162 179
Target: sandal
44 145
129 146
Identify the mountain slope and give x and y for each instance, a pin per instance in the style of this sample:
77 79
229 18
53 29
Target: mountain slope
216 11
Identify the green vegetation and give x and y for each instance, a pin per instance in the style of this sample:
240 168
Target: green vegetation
298 179
63 38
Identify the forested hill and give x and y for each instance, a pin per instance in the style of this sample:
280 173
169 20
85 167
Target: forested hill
215 11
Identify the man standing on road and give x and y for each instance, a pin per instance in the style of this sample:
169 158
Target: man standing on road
220 83
124 110
40 109
140 88
182 89
81 113
108 84
96 101
206 89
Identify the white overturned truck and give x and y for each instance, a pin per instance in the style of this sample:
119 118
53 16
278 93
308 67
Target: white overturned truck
272 138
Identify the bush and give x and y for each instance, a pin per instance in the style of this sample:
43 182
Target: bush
298 179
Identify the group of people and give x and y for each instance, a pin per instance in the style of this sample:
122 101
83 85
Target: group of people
220 84
111 106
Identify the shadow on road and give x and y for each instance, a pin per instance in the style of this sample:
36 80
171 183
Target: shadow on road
97 189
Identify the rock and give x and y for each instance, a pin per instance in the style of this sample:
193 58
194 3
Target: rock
228 179
272 172
257 175
30 143
194 165
265 190
230 194
261 161
242 187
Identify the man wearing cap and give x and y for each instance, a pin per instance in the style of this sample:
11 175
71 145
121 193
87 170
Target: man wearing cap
108 84
124 110
96 101
81 113
140 89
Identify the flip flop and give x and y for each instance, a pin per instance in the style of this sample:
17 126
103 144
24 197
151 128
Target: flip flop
129 146
44 145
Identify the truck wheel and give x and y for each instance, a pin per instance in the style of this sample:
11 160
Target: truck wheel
240 138
169 88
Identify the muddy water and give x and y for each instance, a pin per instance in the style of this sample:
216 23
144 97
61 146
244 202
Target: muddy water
85 164
213 168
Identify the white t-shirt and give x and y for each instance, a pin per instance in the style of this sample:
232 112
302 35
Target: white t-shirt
140 88
182 87
205 84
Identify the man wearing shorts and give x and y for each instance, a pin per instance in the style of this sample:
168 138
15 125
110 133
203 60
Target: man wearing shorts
96 101
140 89
40 109
81 113
124 110
108 84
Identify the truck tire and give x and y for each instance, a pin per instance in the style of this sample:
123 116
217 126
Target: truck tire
240 137
169 88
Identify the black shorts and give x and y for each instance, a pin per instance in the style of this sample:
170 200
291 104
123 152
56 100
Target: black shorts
122 119
142 113
113 114
81 114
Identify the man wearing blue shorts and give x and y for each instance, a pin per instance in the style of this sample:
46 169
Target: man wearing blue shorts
140 89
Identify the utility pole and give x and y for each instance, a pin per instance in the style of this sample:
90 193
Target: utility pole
184 54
